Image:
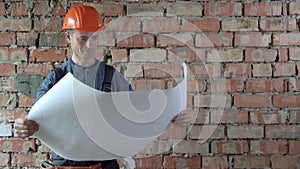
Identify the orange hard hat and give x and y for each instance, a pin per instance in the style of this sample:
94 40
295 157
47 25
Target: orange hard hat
83 18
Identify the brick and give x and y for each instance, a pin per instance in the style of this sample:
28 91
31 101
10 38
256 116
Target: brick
213 40
7 84
262 70
41 8
162 71
196 86
174 162
145 10
191 147
48 55
27 160
283 131
229 86
184 9
212 100
243 132
180 55
282 162
283 55
109 8
134 70
25 101
31 69
28 85
13 54
147 84
200 117
204 132
294 117
156 147
19 9
294 8
252 101
119 55
2 9
59 8
8 100
284 69
148 162
135 40
148 55
209 162
272 24
44 149
7 38
298 68
268 147
201 25
251 162
27 39
229 147
229 117
22 24
48 24
294 147
205 71
124 25
52 39
268 117
5 129
225 55
291 24
4 159
263 9
237 70
177 40
286 39
17 145
252 40
286 100
161 25
293 84
265 85
7 69
174 132
239 24
223 9
294 53
260 55
200 55
11 114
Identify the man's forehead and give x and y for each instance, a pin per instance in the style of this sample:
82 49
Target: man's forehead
89 34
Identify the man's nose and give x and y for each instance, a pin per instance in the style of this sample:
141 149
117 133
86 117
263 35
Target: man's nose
88 43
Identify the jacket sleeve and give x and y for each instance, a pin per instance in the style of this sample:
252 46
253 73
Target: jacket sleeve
46 85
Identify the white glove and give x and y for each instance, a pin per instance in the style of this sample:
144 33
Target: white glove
128 162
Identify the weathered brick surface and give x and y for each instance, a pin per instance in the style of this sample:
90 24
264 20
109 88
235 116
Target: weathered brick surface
243 85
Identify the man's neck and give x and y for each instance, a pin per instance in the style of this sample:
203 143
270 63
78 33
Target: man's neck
84 62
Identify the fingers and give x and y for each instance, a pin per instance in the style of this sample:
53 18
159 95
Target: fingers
25 128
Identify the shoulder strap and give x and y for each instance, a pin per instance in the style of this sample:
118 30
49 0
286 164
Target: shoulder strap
109 72
59 73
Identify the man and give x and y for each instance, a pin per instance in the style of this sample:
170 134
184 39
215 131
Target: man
81 24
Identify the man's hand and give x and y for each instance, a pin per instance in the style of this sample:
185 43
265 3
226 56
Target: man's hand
25 128
183 119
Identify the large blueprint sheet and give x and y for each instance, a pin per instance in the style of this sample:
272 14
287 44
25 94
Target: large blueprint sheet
81 123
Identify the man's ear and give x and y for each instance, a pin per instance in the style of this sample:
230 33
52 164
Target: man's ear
68 37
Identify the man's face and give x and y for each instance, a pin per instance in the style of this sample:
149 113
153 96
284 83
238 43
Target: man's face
84 44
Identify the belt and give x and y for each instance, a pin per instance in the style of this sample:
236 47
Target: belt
97 166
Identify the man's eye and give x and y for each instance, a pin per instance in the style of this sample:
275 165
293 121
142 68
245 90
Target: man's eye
83 38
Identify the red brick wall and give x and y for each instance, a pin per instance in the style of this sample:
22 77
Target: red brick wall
243 86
